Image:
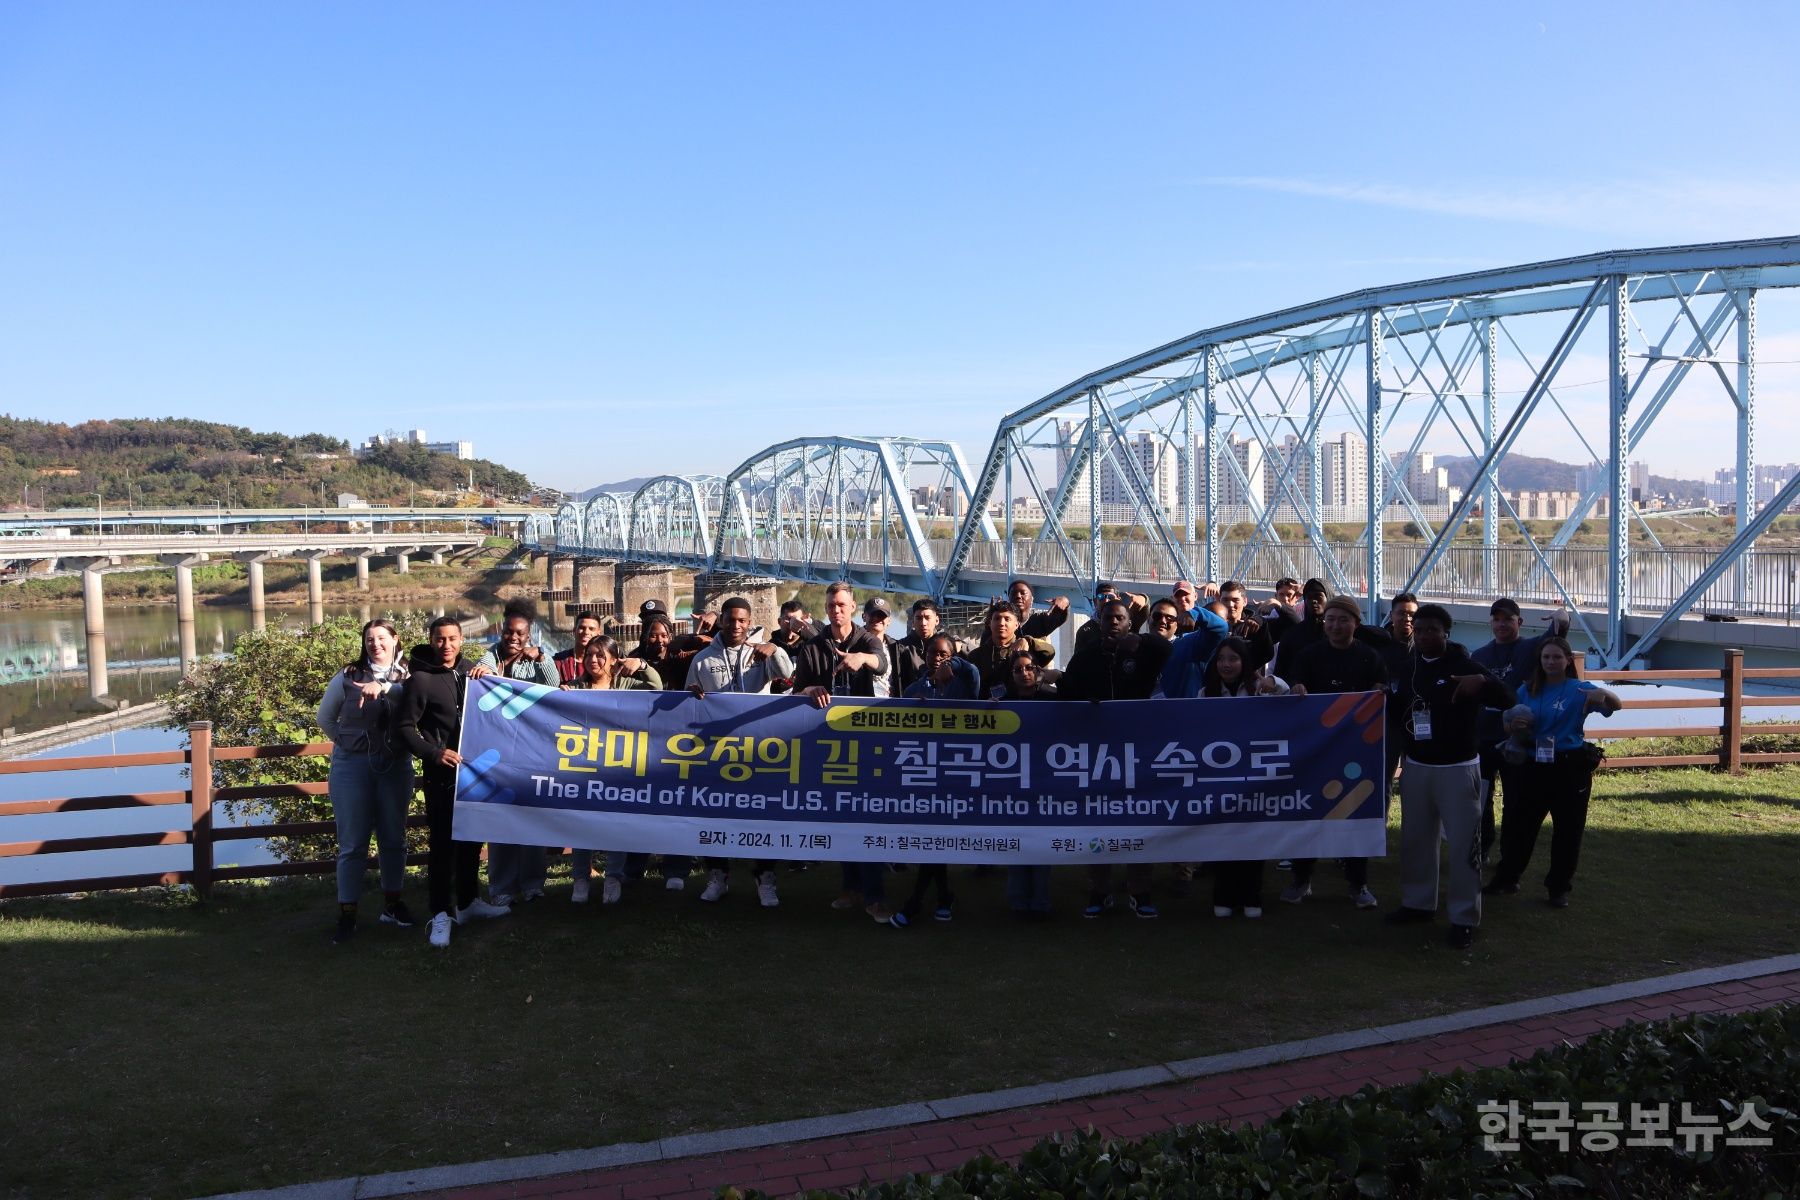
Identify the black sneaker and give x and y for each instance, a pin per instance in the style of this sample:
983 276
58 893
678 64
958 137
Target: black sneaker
1559 900
1409 916
398 914
1462 936
346 929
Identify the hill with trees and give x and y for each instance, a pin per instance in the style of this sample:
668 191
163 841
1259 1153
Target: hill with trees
175 461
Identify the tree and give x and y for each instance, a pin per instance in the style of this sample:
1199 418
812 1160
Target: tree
266 692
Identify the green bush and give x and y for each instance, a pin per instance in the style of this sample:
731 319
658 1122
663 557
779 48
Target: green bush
1425 1140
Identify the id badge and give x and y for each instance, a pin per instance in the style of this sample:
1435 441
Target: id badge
1546 750
1421 724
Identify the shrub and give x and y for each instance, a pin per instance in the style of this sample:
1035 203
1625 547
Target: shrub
1425 1141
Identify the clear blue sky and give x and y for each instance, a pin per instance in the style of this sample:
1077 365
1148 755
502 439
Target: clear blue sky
605 241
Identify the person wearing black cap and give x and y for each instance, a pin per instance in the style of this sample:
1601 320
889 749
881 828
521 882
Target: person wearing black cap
657 649
876 614
1440 788
1338 662
1512 658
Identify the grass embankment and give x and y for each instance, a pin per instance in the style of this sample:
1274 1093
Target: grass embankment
153 1045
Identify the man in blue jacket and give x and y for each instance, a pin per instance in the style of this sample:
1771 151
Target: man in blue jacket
1186 667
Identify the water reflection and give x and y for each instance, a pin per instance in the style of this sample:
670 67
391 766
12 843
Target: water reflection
52 668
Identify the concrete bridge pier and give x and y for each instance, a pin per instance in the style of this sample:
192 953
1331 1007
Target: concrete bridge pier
713 589
184 607
632 585
590 581
559 573
93 611
259 604
315 590
437 558
403 562
362 572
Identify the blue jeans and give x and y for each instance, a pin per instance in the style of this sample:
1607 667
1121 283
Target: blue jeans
1028 889
370 793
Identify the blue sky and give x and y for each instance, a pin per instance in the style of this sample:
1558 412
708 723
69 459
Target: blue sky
605 241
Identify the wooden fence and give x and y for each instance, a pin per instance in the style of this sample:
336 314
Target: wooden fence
1731 703
201 796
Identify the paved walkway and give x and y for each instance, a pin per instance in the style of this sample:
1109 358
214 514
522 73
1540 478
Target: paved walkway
1246 1086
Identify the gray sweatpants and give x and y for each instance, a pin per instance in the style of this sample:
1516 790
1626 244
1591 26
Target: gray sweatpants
1447 799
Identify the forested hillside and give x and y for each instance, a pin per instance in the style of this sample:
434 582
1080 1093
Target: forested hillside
175 461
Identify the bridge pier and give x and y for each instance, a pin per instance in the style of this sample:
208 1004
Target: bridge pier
590 581
713 588
437 558
315 590
403 562
559 573
93 612
258 596
362 572
632 585
184 612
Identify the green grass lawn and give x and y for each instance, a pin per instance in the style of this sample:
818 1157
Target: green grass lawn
154 1046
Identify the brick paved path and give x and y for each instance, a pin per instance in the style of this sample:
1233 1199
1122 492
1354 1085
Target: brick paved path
1249 1095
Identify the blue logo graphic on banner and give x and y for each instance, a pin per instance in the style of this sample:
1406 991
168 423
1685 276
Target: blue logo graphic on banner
927 781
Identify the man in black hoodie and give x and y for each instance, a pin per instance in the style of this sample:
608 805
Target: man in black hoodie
1440 787
429 723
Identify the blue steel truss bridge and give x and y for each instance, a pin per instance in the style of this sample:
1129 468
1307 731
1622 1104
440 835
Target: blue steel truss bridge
1287 444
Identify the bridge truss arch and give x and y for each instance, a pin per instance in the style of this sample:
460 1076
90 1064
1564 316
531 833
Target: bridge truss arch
672 520
606 522
1283 444
878 510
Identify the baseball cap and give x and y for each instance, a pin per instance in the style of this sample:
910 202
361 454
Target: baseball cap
652 605
876 606
1504 607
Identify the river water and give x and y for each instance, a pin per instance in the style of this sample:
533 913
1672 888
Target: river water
43 668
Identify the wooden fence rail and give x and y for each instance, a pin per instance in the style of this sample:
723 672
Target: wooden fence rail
201 794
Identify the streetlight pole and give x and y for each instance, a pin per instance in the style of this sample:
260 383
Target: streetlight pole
100 508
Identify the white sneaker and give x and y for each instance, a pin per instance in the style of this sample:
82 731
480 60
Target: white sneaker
440 930
1365 898
1252 912
765 890
611 891
479 908
1221 910
675 883
717 884
579 893
1294 893
503 899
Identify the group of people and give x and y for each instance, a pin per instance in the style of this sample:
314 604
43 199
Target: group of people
1511 711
